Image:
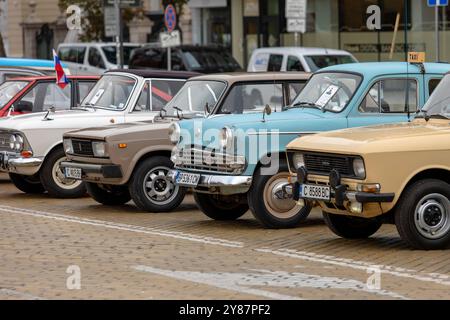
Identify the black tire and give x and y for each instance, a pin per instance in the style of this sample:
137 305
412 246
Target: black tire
49 179
108 195
169 196
221 208
420 204
27 184
270 211
351 227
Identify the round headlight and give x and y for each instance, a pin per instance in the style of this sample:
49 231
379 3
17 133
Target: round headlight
358 168
12 142
225 137
174 133
19 143
298 160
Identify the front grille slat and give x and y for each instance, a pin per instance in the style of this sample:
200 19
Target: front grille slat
323 164
4 141
82 147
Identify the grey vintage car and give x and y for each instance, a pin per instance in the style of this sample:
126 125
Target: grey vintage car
136 158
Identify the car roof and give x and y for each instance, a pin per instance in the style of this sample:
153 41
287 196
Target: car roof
43 78
232 77
23 62
377 68
151 73
300 50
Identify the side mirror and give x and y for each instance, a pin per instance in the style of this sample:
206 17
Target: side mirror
23 106
267 110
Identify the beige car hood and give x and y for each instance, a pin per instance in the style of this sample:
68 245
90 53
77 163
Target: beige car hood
414 136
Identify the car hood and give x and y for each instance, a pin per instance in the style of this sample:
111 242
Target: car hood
409 136
112 132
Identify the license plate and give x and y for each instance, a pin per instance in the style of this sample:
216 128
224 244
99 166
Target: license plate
187 179
316 192
73 173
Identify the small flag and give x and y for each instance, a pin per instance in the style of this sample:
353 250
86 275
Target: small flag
61 78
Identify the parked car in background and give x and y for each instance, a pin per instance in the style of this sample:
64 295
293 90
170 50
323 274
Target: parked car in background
93 57
7 73
36 94
32 145
203 59
337 97
44 66
389 173
138 158
296 59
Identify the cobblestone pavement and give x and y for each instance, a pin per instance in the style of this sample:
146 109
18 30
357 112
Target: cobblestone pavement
122 253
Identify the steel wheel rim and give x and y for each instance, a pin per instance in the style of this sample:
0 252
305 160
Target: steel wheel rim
158 188
279 208
60 179
432 216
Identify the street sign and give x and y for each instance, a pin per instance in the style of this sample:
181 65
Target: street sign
296 9
171 39
437 3
110 16
170 18
416 57
123 3
296 25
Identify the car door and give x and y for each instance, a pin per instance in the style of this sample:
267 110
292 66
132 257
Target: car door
387 100
154 96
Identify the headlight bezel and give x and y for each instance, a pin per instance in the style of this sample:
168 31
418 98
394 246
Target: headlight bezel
16 142
174 133
226 138
103 149
359 168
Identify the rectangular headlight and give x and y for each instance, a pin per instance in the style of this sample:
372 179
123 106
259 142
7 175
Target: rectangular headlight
68 146
99 149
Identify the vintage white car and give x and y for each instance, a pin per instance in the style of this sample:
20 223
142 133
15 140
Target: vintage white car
31 146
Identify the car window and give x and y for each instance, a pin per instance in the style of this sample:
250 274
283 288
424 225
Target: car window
275 62
318 62
148 58
163 91
295 88
391 96
143 102
84 87
9 89
294 64
45 95
432 84
261 62
95 59
247 98
72 54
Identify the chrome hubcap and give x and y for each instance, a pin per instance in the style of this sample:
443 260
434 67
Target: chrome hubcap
60 179
280 208
158 188
432 216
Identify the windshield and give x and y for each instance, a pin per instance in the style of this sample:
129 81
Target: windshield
322 61
328 91
111 92
111 56
194 95
210 60
439 102
9 89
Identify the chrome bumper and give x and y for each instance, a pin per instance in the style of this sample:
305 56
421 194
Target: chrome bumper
14 163
223 184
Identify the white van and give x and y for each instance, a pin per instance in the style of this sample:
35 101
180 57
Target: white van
93 58
296 59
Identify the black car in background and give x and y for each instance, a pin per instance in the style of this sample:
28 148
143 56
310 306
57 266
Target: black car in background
203 59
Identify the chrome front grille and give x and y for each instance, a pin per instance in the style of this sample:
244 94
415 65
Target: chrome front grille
323 164
202 159
4 141
82 148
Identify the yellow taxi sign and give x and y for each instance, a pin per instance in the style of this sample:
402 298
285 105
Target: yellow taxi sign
416 57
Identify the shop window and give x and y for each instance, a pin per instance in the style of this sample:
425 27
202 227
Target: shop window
391 96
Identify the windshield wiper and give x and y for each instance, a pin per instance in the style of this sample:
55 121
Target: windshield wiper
87 104
438 116
306 105
179 112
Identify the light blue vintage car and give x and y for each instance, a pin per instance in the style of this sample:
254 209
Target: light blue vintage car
235 162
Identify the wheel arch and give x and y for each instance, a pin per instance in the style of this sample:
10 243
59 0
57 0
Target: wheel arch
143 157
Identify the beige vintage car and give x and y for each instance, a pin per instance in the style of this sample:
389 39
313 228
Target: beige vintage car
135 161
388 173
